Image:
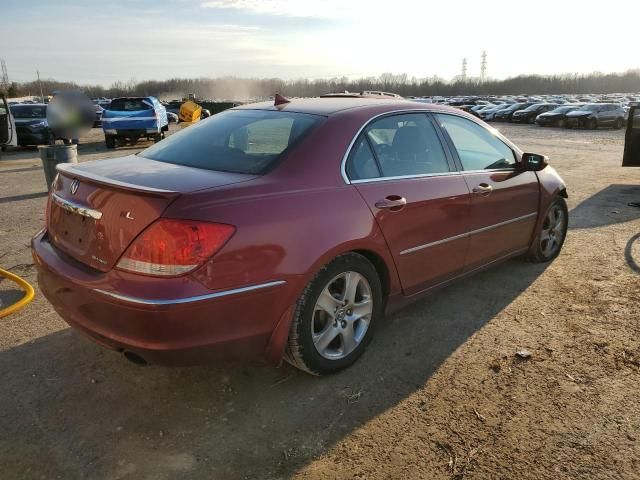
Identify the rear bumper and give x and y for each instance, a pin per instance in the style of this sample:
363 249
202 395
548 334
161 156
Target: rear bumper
186 330
130 133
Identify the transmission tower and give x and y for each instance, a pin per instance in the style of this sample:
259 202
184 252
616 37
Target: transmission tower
463 72
483 66
4 79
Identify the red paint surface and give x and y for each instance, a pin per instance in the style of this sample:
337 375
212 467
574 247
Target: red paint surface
289 222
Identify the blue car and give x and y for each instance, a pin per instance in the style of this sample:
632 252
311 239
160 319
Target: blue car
127 119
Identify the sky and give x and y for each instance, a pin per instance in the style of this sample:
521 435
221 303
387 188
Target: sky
99 42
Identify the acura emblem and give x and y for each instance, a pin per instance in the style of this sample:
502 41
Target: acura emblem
73 188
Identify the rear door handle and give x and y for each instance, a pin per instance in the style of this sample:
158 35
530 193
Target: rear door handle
483 189
392 202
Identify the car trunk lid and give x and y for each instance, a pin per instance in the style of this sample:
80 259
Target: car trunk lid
98 208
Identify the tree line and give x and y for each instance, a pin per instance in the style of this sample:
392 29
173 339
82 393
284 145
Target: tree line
234 88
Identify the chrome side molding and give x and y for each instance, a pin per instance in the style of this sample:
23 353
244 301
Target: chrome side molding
468 234
199 298
74 207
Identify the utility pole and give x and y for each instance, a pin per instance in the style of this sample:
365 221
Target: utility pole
4 79
463 73
483 66
40 83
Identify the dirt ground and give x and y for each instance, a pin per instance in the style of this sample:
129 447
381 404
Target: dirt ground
438 395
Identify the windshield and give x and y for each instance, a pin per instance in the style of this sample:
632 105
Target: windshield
238 141
533 107
564 109
29 111
590 108
517 106
130 104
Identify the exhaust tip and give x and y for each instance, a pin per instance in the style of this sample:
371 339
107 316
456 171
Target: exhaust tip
135 358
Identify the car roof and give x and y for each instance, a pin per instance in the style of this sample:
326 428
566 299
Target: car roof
331 105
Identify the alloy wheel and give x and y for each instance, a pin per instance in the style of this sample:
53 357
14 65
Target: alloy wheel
553 231
342 315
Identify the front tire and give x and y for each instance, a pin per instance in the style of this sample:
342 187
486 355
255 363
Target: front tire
553 231
593 124
110 141
335 316
619 123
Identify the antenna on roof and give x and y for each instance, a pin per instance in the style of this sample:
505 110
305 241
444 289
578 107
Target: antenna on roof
280 100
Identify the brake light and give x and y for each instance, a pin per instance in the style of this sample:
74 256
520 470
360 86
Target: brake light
174 247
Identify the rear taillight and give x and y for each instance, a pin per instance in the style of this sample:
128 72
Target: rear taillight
174 247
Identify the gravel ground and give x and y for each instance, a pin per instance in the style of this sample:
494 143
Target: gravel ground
438 395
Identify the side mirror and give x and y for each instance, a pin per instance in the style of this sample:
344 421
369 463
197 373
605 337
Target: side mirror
533 162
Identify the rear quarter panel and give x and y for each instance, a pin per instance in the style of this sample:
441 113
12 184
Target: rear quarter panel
286 235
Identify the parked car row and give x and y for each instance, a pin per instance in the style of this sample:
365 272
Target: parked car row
590 115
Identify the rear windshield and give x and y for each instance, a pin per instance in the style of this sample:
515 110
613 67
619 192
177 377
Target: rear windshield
238 141
28 111
130 104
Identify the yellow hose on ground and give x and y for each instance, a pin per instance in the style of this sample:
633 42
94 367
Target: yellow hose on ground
27 297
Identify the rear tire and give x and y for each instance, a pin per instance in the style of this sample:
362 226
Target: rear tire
593 124
110 141
335 316
157 137
552 233
619 123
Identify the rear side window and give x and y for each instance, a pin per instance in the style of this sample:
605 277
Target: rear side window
407 145
130 104
362 164
238 141
478 149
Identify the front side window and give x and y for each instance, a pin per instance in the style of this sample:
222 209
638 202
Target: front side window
478 149
406 145
238 141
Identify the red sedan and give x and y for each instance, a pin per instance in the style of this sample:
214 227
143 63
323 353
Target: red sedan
288 230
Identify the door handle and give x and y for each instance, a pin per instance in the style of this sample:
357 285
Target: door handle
392 202
483 189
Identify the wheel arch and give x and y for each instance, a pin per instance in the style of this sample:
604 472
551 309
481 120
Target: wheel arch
381 268
379 255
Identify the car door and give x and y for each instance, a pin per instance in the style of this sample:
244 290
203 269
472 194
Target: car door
7 126
504 199
421 203
631 156
604 115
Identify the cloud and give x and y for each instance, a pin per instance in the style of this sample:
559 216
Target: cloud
292 8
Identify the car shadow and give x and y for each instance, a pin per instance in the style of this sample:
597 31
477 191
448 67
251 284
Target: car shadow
74 409
609 206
